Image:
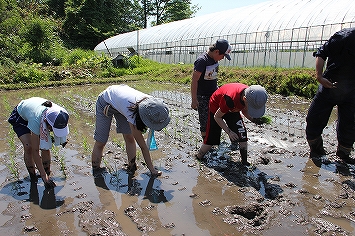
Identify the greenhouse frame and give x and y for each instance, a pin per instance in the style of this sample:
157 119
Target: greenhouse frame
277 33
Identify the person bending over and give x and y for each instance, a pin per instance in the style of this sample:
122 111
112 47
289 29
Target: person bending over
32 120
134 112
225 106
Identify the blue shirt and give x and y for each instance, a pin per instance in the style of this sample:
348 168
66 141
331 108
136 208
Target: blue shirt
31 110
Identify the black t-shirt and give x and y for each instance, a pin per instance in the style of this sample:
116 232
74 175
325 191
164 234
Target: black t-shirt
207 83
340 52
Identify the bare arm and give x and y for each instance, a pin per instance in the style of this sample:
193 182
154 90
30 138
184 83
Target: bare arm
37 158
218 118
138 136
194 83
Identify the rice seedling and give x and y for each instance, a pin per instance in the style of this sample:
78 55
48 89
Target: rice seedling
12 165
115 179
6 104
119 143
107 165
60 159
13 168
86 145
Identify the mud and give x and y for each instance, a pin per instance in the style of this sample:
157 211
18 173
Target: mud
282 192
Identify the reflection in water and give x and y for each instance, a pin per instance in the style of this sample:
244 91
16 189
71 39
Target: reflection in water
34 193
221 160
134 186
48 200
154 195
336 166
20 189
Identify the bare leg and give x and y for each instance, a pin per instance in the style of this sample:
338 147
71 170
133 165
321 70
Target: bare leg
96 155
243 149
203 150
27 156
131 150
203 135
131 147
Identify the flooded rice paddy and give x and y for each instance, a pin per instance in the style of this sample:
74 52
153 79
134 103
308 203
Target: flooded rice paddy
284 192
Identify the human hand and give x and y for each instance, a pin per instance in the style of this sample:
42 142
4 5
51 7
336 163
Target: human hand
49 184
232 136
109 110
326 83
257 121
194 105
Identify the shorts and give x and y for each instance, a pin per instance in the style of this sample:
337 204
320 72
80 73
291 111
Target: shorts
234 122
103 122
18 123
203 111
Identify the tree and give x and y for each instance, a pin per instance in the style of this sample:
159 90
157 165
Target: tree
165 11
88 22
56 8
37 35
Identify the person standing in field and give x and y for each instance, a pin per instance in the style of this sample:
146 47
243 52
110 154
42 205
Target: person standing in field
225 106
134 112
32 120
336 88
204 79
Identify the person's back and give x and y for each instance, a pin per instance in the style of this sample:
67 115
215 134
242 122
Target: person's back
340 52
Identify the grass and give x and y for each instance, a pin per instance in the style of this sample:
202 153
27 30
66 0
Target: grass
284 81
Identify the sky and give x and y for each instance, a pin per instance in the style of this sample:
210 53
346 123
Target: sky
212 6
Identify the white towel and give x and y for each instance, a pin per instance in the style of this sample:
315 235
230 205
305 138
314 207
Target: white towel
45 140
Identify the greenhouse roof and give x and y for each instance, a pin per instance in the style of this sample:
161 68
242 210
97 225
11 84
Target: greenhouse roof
266 16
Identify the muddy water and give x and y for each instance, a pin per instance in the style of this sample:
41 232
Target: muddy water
283 192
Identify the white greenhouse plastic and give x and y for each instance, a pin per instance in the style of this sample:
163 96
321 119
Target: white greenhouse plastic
280 33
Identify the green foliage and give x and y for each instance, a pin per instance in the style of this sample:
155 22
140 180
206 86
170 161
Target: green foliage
87 23
169 11
266 119
79 57
294 81
297 84
30 74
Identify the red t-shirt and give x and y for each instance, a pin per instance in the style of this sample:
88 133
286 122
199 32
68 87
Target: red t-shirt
227 98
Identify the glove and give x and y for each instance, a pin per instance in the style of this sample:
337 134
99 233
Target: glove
50 184
109 110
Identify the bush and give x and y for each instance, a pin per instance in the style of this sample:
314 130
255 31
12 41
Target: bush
30 74
75 56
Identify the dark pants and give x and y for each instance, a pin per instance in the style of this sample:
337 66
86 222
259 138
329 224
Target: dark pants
234 122
320 110
18 123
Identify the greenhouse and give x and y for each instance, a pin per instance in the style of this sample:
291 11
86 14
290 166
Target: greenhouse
277 33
